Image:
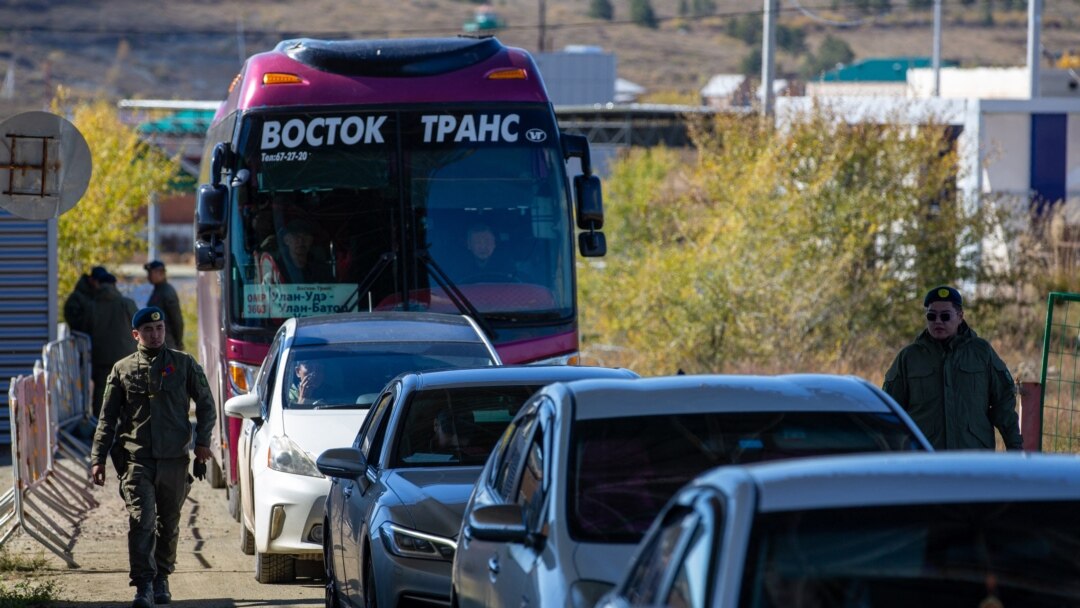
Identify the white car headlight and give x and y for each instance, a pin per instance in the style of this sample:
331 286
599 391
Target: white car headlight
287 457
412 543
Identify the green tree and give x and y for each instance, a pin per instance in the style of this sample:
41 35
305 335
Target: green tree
641 13
750 64
105 227
776 250
601 9
832 53
746 28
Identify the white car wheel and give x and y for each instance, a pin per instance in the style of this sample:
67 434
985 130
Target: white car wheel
274 568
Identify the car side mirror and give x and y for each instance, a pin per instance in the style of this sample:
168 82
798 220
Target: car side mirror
244 406
499 524
343 463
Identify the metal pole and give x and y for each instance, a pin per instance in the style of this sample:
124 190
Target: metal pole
937 48
543 25
1034 47
152 228
768 57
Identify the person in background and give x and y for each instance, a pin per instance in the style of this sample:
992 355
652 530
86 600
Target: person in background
952 383
79 305
311 383
144 425
165 298
298 258
110 333
483 263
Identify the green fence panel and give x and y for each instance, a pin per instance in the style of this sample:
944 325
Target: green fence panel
1060 404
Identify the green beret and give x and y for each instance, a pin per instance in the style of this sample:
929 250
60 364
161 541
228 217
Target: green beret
149 314
944 293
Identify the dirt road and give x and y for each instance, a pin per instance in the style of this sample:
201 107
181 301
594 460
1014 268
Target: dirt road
210 570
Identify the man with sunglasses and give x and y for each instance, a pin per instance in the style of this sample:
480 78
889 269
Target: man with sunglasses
952 383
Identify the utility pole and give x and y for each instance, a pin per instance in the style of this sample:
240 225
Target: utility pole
543 25
936 62
768 57
1034 49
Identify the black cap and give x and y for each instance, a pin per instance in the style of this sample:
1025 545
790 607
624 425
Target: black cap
99 274
147 315
943 293
153 264
301 225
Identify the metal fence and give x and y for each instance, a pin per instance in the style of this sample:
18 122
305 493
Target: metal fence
51 491
1060 403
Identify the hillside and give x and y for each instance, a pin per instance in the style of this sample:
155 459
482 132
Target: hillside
191 49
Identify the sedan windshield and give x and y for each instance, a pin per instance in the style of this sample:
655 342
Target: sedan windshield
625 469
351 375
456 426
979 554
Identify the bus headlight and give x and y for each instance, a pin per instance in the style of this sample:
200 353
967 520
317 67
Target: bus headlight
241 377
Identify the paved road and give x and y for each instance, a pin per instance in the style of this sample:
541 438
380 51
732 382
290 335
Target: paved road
211 570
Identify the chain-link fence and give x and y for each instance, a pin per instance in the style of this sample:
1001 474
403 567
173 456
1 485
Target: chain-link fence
1060 404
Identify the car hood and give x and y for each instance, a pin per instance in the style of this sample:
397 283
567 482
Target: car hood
432 500
316 431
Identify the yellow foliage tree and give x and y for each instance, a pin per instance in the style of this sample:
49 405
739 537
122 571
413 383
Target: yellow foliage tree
802 248
105 227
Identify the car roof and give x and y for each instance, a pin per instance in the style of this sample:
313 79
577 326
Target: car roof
882 479
718 393
513 374
383 327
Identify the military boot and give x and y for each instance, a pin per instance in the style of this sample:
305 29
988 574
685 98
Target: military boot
144 596
161 590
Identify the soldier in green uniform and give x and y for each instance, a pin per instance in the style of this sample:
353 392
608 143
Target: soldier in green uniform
144 425
952 383
165 298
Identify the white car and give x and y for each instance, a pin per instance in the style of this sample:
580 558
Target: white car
935 530
585 467
311 393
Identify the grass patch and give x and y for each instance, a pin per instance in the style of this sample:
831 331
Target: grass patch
28 594
21 563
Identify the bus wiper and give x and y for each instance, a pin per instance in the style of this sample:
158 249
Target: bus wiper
369 280
456 296
527 315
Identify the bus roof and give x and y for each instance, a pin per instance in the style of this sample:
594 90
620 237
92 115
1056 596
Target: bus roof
313 72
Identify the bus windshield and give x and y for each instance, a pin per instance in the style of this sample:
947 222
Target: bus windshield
454 210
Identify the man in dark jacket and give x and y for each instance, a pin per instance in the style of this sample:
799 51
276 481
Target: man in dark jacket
952 383
79 305
110 332
145 413
165 298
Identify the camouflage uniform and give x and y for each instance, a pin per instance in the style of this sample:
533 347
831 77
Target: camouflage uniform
145 412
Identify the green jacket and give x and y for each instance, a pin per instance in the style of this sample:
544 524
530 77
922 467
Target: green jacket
957 392
146 406
165 298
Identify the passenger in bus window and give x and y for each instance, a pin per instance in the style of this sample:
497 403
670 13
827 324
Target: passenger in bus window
300 258
484 263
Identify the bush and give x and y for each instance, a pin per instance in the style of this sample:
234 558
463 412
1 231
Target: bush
806 248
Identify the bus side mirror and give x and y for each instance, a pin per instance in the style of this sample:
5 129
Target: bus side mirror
592 244
210 204
210 254
590 204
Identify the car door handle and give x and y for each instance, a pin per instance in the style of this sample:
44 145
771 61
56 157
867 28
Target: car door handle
493 564
347 491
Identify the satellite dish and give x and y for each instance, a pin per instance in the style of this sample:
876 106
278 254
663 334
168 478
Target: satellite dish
44 165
